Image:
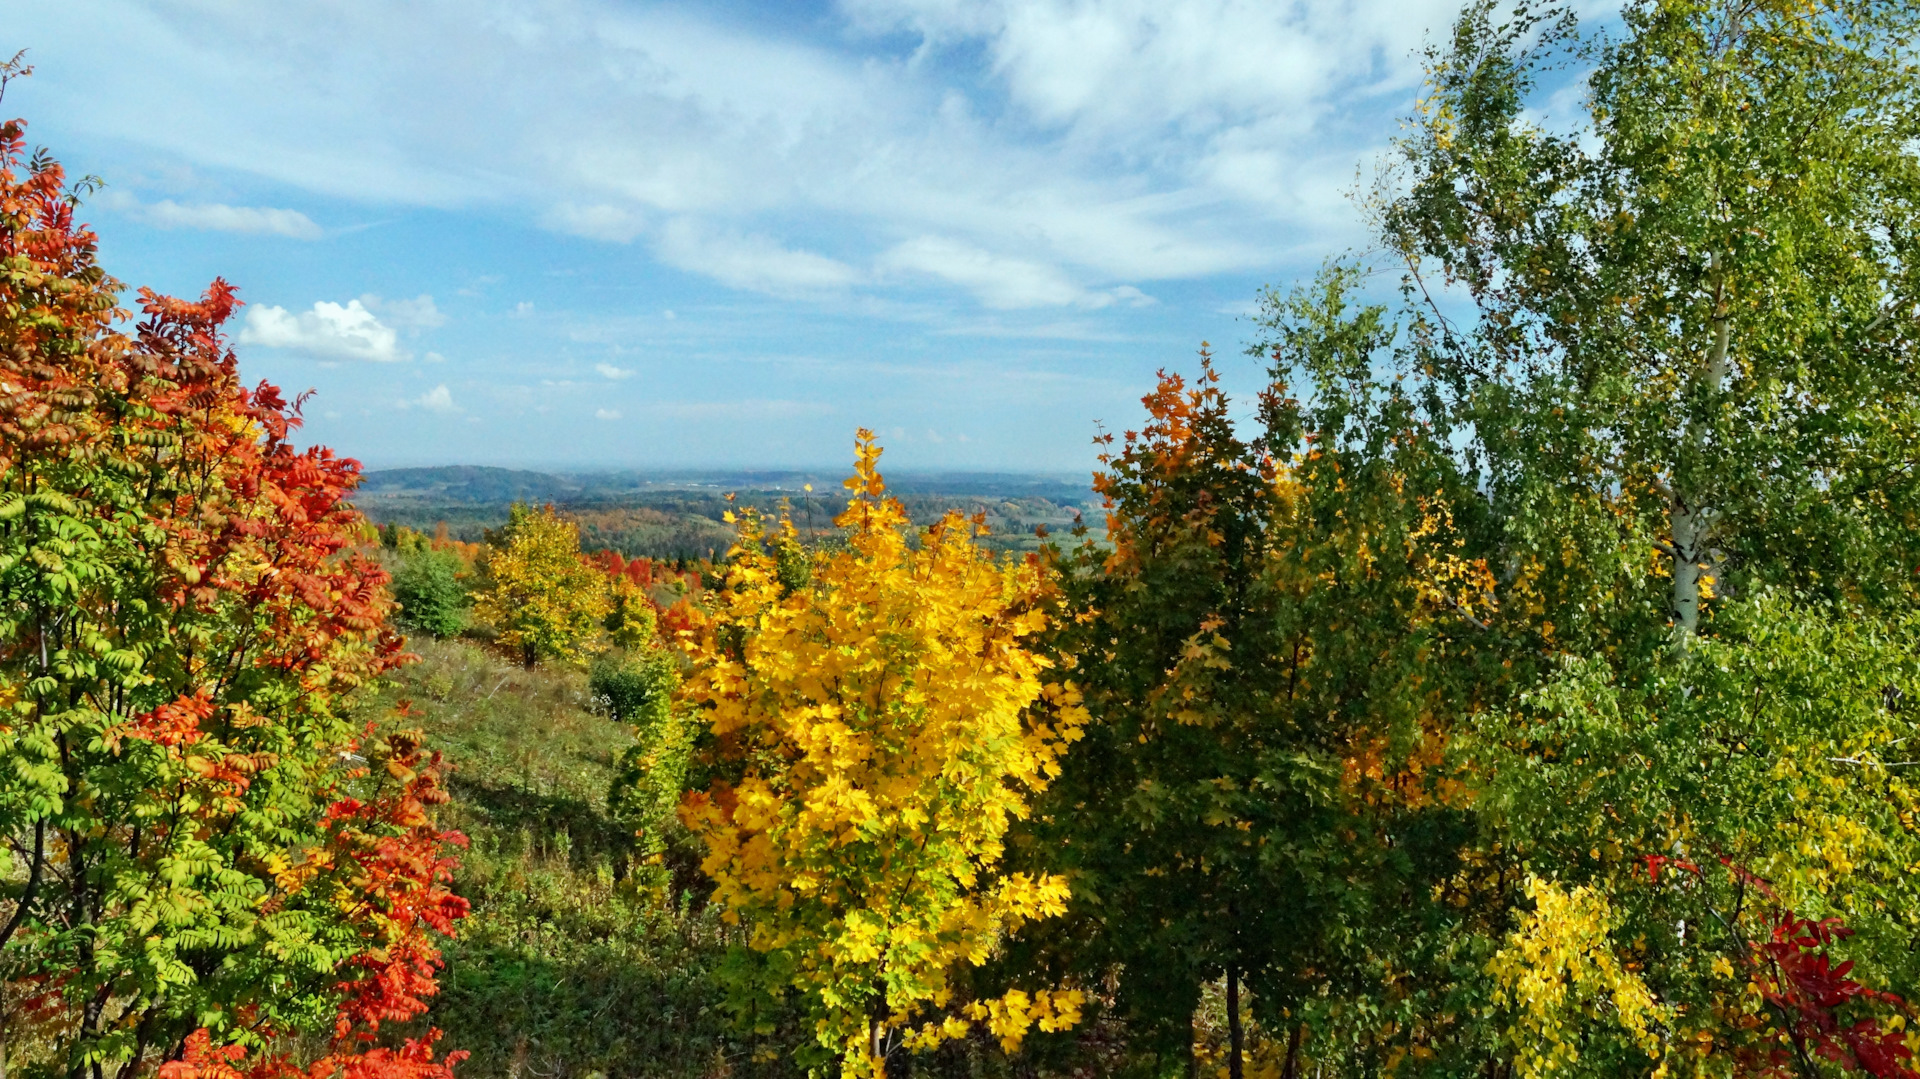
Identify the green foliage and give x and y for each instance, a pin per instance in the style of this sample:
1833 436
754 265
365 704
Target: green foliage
431 596
637 689
574 960
632 624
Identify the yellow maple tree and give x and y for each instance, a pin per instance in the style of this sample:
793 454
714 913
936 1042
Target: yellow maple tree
878 719
540 595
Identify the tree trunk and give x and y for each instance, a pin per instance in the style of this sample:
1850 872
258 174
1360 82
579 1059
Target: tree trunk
1690 516
1291 1069
526 655
1234 1037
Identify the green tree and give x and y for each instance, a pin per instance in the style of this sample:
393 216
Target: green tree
1259 785
1687 400
636 688
430 593
1696 311
542 598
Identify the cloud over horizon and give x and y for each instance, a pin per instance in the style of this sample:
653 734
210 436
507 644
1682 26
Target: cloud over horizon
1102 141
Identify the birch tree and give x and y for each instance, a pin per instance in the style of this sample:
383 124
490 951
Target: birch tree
1695 303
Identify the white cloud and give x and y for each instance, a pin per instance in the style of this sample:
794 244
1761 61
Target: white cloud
610 371
755 263
418 313
1077 141
999 281
438 399
1114 66
606 413
328 331
219 217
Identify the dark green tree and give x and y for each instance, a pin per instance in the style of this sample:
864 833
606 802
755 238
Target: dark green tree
430 592
1258 793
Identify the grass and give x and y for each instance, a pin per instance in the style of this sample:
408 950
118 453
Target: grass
575 963
570 965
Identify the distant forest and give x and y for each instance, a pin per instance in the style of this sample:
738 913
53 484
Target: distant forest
680 514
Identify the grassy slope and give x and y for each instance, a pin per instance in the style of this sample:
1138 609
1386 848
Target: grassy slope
563 968
572 965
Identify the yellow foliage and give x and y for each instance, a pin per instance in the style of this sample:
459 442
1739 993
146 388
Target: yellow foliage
542 597
887 720
1557 968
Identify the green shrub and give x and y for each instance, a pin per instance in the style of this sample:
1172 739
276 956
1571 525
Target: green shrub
431 596
636 688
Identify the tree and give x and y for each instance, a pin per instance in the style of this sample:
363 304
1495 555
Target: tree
1695 313
1687 399
183 623
632 624
428 589
1259 787
637 688
544 599
874 719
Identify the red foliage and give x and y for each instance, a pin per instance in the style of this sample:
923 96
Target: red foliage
1815 1003
609 562
174 724
405 887
402 865
1808 992
640 571
677 619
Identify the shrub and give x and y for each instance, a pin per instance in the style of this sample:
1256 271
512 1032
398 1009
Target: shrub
430 593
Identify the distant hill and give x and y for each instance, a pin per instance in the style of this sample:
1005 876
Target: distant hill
477 483
678 513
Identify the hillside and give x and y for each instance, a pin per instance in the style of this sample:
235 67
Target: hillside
680 514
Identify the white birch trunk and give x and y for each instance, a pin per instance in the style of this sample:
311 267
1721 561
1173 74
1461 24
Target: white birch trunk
1689 517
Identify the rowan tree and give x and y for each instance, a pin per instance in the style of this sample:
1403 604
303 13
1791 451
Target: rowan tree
183 623
539 594
874 718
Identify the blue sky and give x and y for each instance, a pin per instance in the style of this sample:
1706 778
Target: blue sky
580 233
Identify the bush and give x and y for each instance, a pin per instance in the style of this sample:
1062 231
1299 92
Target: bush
634 687
430 593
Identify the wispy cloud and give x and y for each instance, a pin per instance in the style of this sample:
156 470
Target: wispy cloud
219 217
1080 142
610 371
1000 281
755 263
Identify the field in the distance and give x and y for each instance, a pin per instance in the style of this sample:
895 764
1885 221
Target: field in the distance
679 514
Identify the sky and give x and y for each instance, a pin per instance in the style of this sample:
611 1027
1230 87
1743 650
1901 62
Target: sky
594 233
